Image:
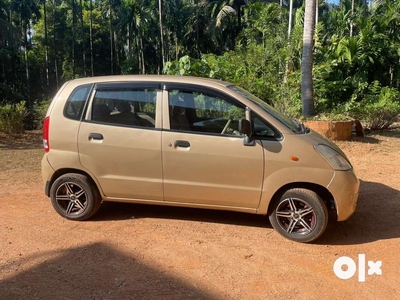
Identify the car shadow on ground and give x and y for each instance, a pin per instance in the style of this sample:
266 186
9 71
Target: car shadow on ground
376 217
110 211
393 131
366 139
94 271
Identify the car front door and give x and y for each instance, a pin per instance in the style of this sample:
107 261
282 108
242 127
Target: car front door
204 159
120 140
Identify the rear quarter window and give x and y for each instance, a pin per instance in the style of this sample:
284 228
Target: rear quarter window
76 102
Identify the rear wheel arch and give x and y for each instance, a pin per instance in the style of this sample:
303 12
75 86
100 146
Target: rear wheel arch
61 172
75 196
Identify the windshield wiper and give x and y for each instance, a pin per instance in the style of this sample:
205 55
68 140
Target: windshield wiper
301 127
304 128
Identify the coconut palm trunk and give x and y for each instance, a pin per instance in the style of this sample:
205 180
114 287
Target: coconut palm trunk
307 94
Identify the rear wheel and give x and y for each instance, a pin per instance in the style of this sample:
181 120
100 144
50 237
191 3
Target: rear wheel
300 215
75 197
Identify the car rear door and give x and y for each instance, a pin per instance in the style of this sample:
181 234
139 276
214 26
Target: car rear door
120 140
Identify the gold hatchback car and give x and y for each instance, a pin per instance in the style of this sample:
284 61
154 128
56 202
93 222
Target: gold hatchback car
192 142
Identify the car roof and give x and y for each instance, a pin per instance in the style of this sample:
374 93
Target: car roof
152 78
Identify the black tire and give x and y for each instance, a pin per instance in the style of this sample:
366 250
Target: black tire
300 215
75 197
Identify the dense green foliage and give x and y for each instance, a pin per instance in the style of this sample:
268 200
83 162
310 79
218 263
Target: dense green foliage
356 58
12 118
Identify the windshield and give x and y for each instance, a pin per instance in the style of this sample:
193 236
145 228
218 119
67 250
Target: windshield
288 122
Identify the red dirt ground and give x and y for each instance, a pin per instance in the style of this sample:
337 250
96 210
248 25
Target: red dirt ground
147 252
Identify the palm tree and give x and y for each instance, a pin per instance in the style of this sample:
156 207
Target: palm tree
109 9
224 12
133 17
307 93
26 11
225 8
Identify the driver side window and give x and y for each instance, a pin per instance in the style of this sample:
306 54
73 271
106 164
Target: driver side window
201 112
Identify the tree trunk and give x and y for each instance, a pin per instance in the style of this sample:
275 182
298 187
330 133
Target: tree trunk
161 33
24 27
288 43
197 29
290 18
138 54
117 54
307 94
46 49
91 38
129 41
83 39
142 52
55 44
26 61
111 37
352 13
316 13
176 47
73 38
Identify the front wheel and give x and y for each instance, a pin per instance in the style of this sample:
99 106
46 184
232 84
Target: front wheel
75 197
300 215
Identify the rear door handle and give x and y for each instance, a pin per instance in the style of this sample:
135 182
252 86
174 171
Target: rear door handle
183 144
95 136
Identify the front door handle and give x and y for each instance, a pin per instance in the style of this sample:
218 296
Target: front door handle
183 144
95 136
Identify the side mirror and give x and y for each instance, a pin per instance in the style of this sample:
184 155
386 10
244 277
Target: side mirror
245 128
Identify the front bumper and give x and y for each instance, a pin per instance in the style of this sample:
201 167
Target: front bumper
344 188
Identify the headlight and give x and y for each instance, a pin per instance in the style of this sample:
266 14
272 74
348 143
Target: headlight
336 160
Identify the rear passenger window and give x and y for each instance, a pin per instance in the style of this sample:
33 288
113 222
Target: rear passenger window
125 106
76 102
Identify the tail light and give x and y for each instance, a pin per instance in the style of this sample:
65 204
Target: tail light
46 144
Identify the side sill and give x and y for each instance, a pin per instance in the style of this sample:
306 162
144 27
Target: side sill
183 204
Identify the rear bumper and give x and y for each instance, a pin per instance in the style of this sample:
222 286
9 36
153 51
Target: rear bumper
47 173
47 188
344 188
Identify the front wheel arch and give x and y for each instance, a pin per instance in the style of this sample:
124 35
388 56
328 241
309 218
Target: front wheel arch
321 191
300 215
